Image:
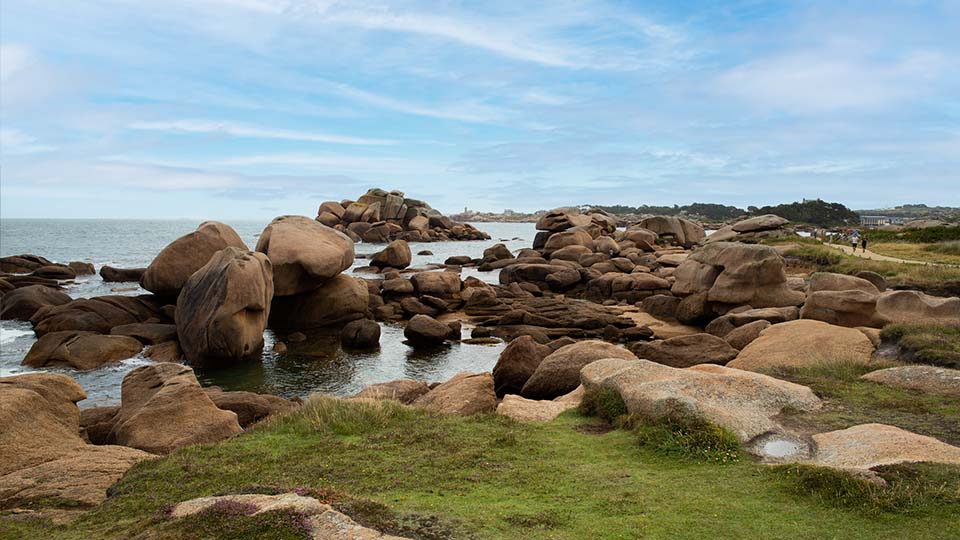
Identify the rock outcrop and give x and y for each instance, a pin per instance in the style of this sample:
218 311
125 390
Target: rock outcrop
405 391
804 343
686 351
164 408
678 230
396 255
464 394
559 372
175 263
338 301
866 446
926 379
223 308
80 350
304 253
99 314
23 303
518 361
742 402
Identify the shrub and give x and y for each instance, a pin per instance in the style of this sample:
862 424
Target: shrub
604 403
688 437
922 236
903 488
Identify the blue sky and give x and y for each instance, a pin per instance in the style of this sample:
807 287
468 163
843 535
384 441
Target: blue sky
254 108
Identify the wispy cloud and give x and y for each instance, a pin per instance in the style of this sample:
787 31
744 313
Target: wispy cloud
16 142
234 129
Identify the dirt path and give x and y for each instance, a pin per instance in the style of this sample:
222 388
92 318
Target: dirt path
877 257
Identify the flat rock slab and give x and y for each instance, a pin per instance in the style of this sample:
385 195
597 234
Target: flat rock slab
531 410
740 401
927 379
804 343
325 523
871 445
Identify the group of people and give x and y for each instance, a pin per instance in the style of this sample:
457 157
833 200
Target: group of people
857 238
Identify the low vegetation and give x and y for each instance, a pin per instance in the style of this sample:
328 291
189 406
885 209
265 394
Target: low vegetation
917 252
933 279
433 477
925 343
928 235
849 400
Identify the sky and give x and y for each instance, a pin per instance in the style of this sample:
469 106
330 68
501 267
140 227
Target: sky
255 108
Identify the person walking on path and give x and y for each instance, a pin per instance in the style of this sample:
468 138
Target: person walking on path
854 240
863 243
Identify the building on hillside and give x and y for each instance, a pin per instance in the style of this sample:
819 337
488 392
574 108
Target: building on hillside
874 221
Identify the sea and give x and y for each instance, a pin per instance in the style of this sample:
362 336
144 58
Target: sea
317 366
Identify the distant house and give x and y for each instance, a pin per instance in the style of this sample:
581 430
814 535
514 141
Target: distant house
874 221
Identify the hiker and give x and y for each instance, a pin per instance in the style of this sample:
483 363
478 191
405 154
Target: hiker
863 243
854 240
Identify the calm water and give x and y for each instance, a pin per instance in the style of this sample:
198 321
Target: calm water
318 365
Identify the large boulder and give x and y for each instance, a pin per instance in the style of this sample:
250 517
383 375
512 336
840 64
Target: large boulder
765 222
440 284
464 394
360 334
304 253
723 325
915 306
559 372
396 255
163 407
804 343
80 350
686 351
403 390
828 281
223 308
338 301
561 219
737 274
680 231
517 362
531 410
852 307
45 462
24 302
174 265
926 379
741 336
744 403
425 330
98 314
249 406
121 275
22 264
867 446
147 333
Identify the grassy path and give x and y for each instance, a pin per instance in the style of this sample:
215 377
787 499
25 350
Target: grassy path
877 257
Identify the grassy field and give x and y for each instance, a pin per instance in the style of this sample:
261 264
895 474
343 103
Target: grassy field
931 253
486 477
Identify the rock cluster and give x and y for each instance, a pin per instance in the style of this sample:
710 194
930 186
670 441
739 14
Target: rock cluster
380 216
765 226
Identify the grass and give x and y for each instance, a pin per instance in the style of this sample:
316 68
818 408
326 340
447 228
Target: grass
483 477
926 343
905 488
929 235
931 253
933 279
849 401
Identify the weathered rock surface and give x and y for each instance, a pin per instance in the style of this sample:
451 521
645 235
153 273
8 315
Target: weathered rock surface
915 306
403 390
304 253
849 308
80 350
742 336
744 403
164 408
121 275
23 303
871 445
529 410
517 362
249 407
360 334
396 255
559 372
45 462
827 281
804 343
760 223
98 314
425 330
926 379
175 263
322 521
686 351
223 308
681 231
464 394
147 333
338 301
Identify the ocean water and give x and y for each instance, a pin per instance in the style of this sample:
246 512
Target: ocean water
317 365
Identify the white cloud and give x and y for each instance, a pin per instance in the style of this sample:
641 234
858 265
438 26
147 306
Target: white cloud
831 79
339 163
242 130
464 112
15 142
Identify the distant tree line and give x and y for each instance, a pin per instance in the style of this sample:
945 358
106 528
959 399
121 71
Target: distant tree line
813 212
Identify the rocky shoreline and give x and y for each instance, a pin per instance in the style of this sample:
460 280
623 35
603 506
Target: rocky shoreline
669 320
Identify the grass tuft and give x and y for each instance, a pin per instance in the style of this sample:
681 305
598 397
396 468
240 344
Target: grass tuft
689 438
603 403
908 488
935 344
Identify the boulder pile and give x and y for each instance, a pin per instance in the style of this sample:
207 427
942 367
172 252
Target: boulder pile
379 216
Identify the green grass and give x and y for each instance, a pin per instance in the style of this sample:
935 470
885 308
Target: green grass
850 401
905 488
917 252
481 477
926 343
951 247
